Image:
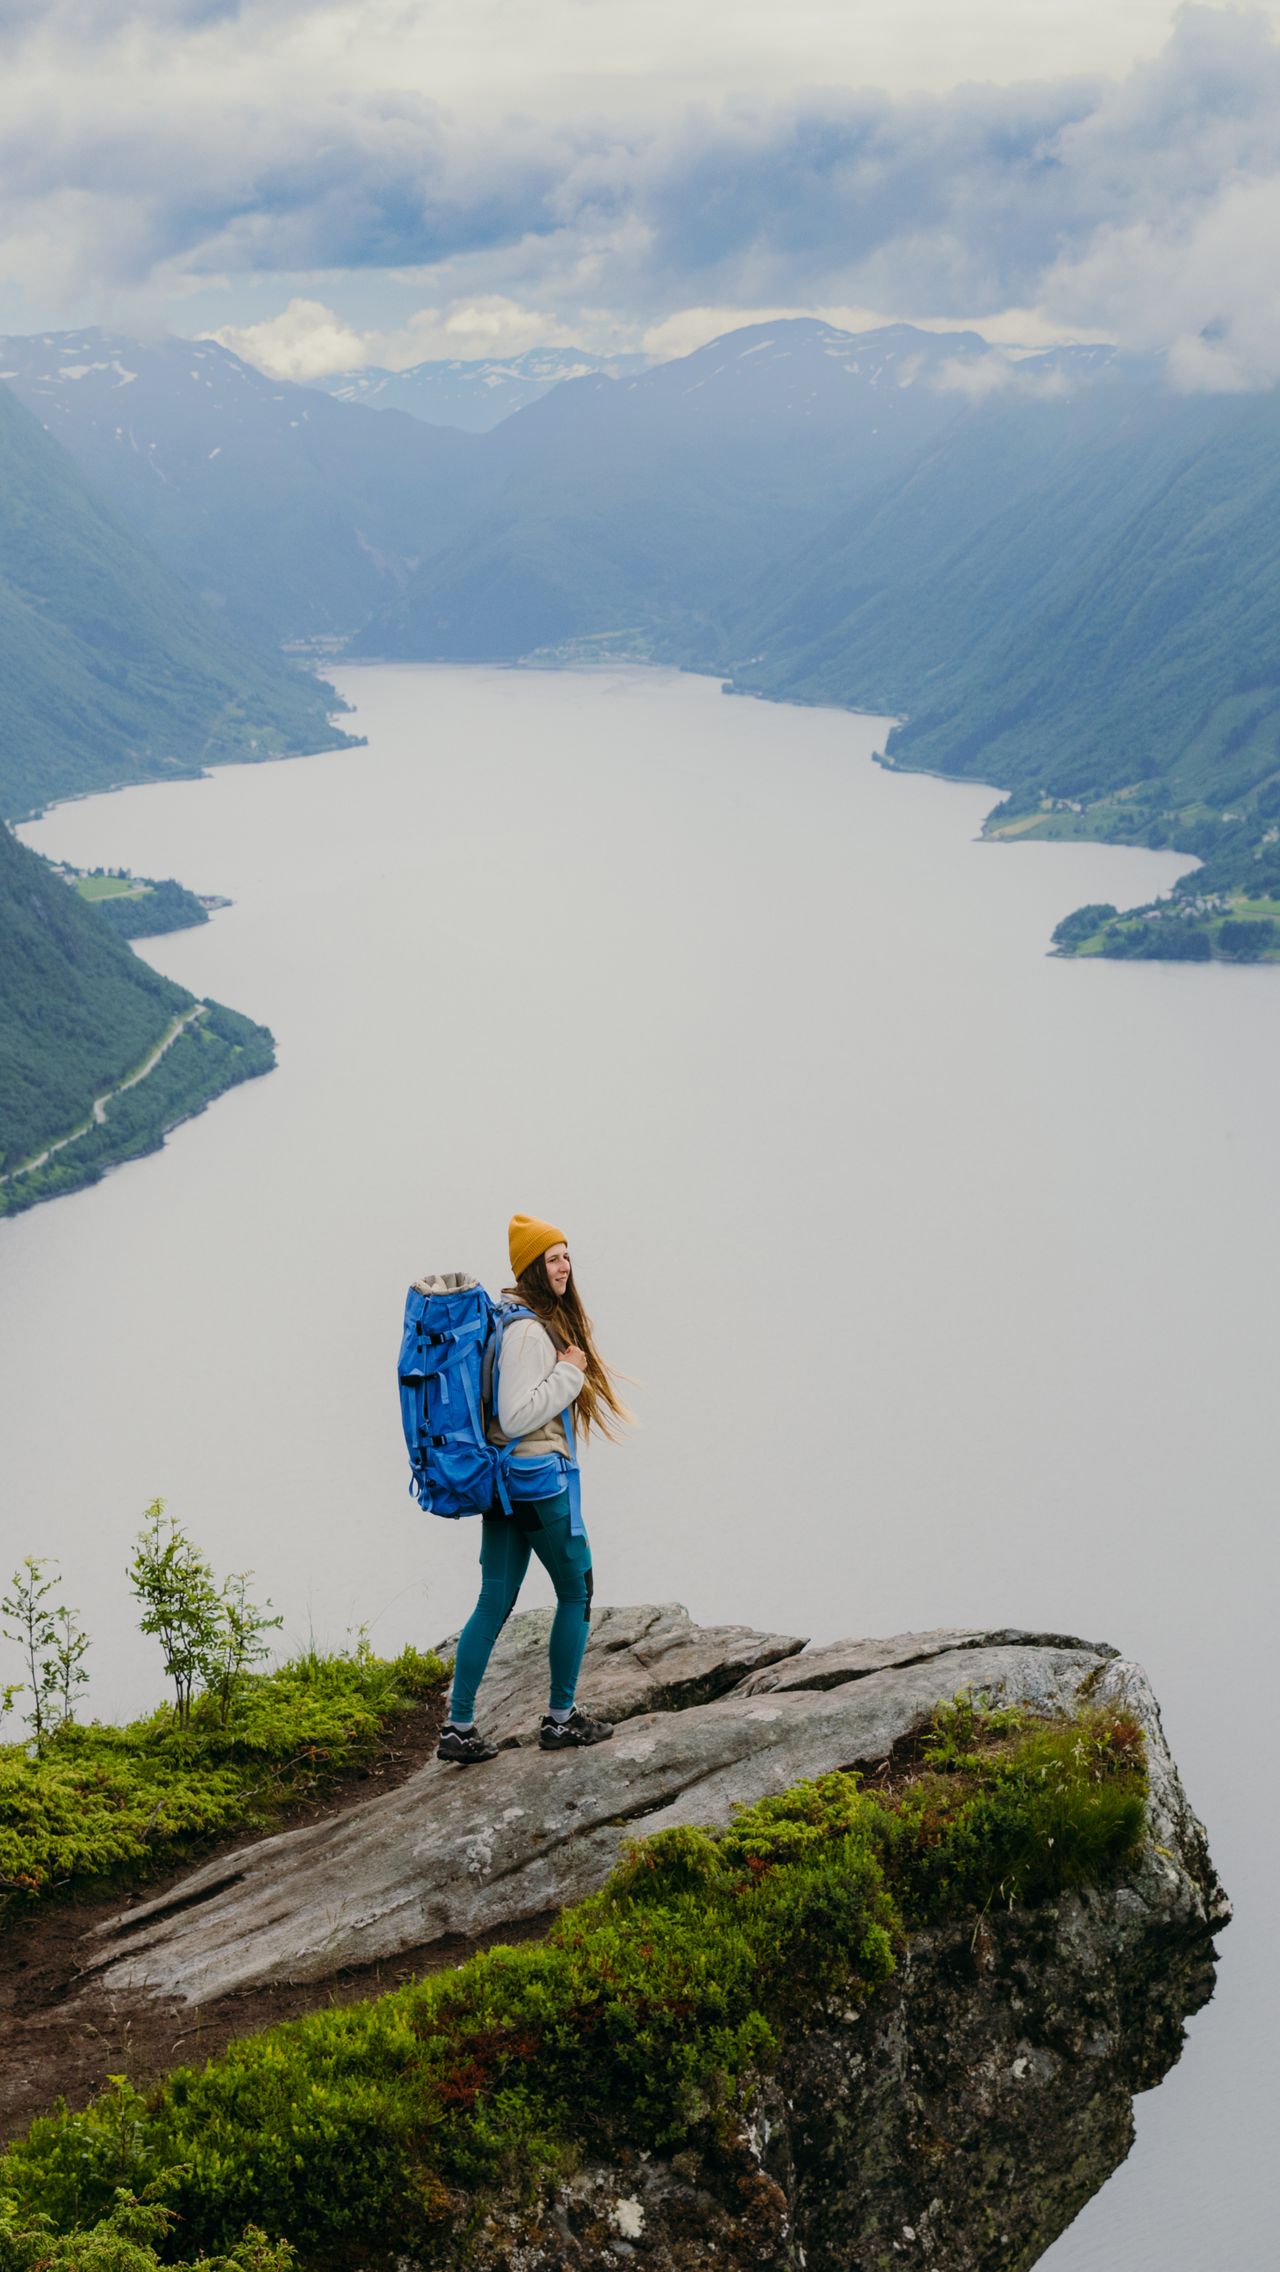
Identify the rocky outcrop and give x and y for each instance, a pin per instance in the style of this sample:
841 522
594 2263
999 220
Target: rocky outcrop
959 2123
960 2119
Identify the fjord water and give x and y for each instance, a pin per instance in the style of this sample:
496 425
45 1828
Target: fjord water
945 1271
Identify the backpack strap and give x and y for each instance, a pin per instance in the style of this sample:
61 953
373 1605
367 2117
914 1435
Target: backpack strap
573 1480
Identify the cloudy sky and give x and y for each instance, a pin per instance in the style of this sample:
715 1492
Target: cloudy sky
326 183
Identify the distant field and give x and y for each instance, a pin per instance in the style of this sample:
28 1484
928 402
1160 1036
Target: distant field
109 887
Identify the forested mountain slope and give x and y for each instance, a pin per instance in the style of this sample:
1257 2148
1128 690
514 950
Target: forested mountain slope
1078 602
1068 590
78 1009
110 670
293 514
99 1055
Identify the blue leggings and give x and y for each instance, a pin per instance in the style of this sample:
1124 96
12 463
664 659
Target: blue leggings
543 1525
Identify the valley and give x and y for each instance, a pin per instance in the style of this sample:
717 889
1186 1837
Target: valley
1058 573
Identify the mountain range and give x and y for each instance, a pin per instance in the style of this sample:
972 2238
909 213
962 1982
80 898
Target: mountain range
290 514
652 504
475 394
1061 574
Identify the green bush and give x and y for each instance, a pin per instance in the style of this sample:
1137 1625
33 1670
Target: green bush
124 2240
638 2020
100 1802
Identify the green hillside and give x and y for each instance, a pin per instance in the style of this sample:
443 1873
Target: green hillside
1070 590
110 670
80 1013
78 1009
1077 603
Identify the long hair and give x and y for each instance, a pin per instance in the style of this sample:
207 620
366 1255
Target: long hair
597 1404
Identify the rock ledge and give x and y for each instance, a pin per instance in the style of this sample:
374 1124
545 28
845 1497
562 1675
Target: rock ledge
960 2120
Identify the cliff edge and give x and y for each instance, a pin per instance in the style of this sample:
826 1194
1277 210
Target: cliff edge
959 2116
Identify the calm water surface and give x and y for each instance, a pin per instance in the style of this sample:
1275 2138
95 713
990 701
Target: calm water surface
946 1272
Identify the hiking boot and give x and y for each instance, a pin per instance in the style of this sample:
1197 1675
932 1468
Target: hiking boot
464 1747
571 1734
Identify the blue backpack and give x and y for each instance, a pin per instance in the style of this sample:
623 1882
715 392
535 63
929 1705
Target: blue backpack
450 1351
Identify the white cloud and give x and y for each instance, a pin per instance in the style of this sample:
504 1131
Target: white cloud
487 324
306 341
1001 373
358 163
309 341
1200 287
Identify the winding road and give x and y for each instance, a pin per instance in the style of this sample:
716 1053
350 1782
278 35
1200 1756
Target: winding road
99 1112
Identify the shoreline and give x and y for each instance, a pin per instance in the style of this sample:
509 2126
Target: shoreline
209 1050
98 1111
1165 929
16 1194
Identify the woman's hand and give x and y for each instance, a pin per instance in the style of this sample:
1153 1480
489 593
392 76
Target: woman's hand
572 1356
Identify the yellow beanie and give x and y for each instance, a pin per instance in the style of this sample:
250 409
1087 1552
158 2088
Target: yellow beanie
527 1238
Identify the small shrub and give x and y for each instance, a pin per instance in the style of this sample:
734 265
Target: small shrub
236 1643
53 1645
180 1602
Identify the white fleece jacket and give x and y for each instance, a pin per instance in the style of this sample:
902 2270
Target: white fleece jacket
534 1387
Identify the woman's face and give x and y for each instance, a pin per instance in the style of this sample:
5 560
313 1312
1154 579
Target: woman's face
556 1259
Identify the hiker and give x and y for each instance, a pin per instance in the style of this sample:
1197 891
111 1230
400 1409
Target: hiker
552 1389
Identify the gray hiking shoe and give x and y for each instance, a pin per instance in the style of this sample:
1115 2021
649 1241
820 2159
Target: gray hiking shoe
464 1747
573 1733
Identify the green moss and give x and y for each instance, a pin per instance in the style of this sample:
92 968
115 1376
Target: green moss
638 2021
102 1802
1014 1810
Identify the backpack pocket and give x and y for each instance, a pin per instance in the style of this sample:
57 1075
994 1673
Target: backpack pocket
541 1478
460 1476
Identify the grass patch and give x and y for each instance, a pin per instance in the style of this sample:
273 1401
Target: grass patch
108 887
104 1802
638 2021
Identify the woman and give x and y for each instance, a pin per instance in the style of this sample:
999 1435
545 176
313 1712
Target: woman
548 1365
